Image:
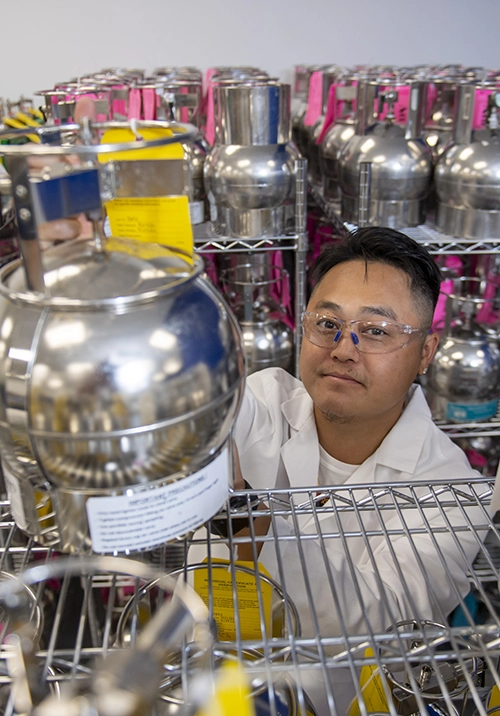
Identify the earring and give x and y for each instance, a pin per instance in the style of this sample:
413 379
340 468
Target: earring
424 371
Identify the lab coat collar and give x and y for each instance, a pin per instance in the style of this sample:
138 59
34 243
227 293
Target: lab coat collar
402 446
400 449
300 454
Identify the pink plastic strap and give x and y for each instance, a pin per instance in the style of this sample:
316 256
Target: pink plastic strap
314 98
134 104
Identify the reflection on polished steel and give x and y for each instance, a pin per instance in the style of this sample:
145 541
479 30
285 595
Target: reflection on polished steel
438 131
129 373
464 377
249 173
182 96
399 160
255 290
467 175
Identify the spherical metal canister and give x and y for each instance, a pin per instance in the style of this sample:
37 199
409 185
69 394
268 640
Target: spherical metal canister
126 376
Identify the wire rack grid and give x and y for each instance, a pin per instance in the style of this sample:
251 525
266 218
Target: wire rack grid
354 603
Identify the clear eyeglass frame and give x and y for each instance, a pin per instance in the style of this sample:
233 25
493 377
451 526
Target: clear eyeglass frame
393 336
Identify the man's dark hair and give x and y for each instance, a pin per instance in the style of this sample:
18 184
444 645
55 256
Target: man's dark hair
387 246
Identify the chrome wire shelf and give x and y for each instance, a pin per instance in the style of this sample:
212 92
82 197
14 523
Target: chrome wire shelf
425 234
471 430
207 241
350 561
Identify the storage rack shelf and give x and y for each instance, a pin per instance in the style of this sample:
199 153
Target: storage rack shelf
440 662
207 241
434 241
471 430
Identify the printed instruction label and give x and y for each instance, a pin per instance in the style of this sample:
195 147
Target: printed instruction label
372 688
471 412
147 518
156 219
15 498
216 585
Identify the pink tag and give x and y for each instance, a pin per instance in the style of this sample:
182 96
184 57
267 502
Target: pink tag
330 113
149 103
210 129
401 106
184 110
480 107
314 98
134 104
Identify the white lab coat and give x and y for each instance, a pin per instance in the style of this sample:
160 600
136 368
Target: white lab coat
371 583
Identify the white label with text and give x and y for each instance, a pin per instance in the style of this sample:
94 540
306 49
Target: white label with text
147 518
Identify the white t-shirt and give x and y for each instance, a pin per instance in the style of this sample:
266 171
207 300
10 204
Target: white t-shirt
333 471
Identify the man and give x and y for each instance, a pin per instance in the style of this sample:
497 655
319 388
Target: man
356 418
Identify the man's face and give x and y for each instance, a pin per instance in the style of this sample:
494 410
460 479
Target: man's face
347 385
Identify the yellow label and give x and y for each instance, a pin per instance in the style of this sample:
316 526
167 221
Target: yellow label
121 136
139 249
248 602
372 689
494 701
156 219
160 220
231 695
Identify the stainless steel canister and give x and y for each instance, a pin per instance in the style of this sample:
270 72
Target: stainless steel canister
249 173
126 379
467 175
385 170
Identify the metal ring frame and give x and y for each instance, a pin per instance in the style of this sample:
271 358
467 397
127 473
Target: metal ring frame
186 133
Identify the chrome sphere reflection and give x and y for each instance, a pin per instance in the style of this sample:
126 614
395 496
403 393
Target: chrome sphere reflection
128 373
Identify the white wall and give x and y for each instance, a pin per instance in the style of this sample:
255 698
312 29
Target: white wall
45 41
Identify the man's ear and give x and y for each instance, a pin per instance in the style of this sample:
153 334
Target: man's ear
428 351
